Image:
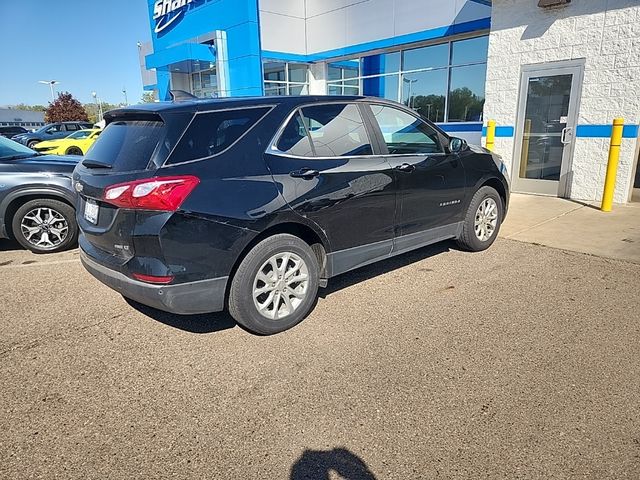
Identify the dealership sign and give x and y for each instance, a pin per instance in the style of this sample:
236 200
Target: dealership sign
167 12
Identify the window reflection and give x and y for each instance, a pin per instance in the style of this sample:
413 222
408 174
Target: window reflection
383 87
426 57
381 63
472 50
466 93
425 92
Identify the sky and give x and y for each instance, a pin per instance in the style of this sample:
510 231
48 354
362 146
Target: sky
86 45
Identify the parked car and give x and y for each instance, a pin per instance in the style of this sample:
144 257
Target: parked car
255 203
51 131
9 132
36 198
75 144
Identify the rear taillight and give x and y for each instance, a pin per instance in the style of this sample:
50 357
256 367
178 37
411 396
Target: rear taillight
160 193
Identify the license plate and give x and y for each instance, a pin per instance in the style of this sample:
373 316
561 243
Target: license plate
91 211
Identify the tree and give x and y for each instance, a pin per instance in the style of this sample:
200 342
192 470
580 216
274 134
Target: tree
93 112
148 97
65 108
30 108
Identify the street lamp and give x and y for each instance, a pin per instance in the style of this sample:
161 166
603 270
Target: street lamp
51 83
124 92
98 104
410 82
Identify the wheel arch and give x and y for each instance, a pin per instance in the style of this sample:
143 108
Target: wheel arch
14 201
317 241
499 187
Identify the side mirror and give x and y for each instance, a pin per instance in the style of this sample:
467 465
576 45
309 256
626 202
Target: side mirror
457 145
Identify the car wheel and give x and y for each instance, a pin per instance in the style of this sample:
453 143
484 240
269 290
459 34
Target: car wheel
74 151
32 143
482 221
45 226
275 286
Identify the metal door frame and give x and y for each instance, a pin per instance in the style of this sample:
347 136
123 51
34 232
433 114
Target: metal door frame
576 68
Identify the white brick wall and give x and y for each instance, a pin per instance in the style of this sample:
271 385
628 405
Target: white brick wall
606 33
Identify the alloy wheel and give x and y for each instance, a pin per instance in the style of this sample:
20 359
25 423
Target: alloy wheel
44 228
281 285
486 219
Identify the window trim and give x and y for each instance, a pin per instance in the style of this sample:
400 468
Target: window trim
269 107
376 148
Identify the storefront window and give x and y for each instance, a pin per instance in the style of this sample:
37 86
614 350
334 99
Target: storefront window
444 82
425 92
204 84
466 93
426 57
282 78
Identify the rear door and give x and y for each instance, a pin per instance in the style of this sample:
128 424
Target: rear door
329 170
430 181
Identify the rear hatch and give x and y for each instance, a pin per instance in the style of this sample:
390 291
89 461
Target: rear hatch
132 147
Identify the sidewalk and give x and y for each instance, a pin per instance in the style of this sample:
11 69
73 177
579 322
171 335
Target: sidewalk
566 224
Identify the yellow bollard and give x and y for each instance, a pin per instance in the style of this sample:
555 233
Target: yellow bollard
491 134
524 158
612 165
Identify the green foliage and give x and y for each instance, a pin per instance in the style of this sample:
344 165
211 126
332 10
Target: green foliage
30 108
65 109
148 97
94 113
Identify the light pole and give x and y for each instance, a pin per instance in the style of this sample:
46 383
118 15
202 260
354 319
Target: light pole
410 82
98 104
124 92
51 83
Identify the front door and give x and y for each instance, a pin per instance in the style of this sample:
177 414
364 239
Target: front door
546 126
430 181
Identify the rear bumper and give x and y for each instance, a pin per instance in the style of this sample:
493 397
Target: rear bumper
203 296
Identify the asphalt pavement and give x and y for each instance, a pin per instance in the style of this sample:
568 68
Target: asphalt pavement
519 362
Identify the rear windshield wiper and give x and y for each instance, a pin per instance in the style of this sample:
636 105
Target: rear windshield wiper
95 164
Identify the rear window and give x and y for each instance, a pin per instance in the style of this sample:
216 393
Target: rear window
127 145
213 132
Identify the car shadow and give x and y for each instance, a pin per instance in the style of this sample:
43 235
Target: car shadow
385 266
216 322
7 245
319 464
201 323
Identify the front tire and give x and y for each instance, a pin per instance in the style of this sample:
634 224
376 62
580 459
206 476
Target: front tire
32 143
482 221
74 151
275 286
45 226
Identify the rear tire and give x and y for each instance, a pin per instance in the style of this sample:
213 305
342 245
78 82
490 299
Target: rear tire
275 286
482 221
32 143
45 226
74 151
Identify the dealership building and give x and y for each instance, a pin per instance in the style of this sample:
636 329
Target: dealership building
553 74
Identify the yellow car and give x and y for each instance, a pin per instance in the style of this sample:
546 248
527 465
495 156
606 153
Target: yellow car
75 144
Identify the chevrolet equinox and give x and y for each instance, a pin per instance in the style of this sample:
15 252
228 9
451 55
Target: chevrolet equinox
254 203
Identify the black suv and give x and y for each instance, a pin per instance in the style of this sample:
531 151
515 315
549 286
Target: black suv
53 131
254 203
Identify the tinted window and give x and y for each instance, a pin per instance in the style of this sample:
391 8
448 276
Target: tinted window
473 50
80 134
426 57
404 133
54 129
211 133
337 130
127 145
71 127
294 139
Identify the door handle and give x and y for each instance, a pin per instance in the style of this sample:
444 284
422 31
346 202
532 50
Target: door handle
305 172
563 135
406 167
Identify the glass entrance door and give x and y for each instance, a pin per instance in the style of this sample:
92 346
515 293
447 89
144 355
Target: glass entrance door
546 129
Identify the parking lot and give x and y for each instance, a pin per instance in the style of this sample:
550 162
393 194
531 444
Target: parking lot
519 362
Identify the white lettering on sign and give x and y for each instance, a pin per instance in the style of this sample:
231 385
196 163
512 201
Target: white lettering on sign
166 12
